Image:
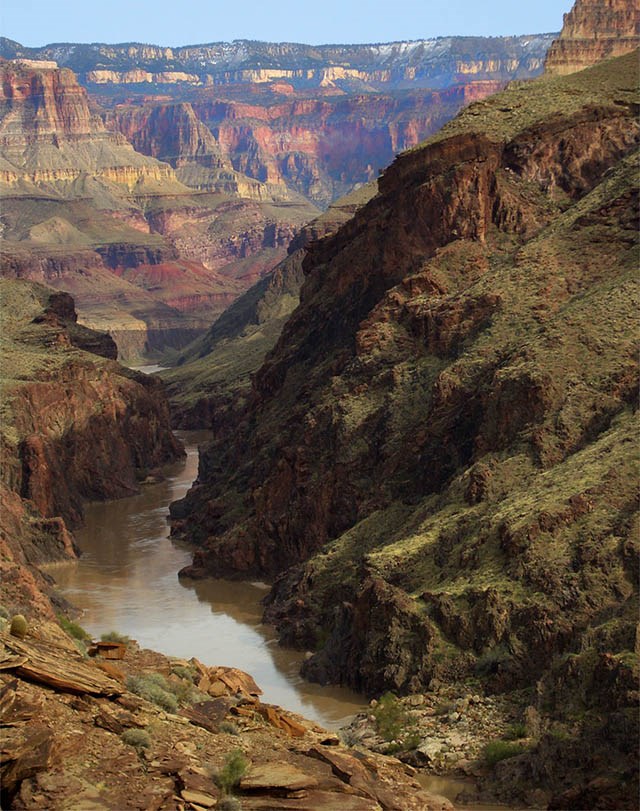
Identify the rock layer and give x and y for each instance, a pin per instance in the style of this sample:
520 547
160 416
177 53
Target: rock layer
75 426
419 63
82 208
594 30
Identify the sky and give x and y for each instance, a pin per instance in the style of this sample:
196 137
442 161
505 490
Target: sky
189 22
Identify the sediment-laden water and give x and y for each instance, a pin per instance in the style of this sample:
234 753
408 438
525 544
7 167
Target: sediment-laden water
126 580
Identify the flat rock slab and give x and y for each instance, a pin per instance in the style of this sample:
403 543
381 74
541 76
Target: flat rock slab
208 714
198 798
57 668
277 777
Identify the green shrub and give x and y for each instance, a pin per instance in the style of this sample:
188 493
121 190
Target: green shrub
137 738
234 769
188 673
228 804
492 660
18 626
114 636
73 629
390 717
229 728
495 751
154 687
516 732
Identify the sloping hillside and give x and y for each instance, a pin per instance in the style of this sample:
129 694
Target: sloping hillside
443 437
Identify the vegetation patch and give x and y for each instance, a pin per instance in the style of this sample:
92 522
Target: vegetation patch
495 751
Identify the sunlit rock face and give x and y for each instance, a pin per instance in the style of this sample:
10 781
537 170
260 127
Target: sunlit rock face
594 30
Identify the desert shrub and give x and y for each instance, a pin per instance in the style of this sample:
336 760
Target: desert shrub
351 736
4 614
234 769
73 629
18 626
515 732
495 751
188 673
137 738
155 688
114 636
229 728
492 660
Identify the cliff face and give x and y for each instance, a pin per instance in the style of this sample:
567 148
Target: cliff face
75 426
441 435
85 212
594 30
397 65
212 377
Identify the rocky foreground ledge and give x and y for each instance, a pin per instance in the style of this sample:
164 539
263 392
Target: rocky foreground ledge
154 733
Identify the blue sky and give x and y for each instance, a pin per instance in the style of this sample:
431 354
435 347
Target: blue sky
38 22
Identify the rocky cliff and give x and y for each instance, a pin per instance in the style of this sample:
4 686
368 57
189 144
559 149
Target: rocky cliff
212 376
594 30
147 257
441 437
433 63
75 426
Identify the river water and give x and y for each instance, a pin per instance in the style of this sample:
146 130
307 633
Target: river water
126 580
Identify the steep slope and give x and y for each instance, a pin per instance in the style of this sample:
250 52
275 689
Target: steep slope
295 119
82 210
443 435
212 376
74 425
594 30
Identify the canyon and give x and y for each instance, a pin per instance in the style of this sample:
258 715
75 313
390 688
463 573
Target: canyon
434 461
423 410
146 257
156 200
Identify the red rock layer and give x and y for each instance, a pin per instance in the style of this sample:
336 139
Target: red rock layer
594 30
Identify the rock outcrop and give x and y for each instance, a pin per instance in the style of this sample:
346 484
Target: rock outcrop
75 426
441 438
594 30
98 740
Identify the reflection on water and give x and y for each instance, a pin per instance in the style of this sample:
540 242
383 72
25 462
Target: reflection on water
150 369
452 787
126 580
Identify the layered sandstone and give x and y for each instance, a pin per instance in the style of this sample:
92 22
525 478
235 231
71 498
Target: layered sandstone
146 257
397 65
594 30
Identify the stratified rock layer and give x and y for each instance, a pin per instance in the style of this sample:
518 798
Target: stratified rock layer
594 30
75 426
146 257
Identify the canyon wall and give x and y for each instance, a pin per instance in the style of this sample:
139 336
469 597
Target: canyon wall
594 30
433 63
435 460
211 378
75 426
148 258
